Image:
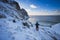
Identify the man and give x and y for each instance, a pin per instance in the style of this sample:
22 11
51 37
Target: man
37 26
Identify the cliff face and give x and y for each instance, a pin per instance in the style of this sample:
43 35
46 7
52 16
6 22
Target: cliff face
10 8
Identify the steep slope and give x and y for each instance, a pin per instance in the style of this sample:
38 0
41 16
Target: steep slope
12 9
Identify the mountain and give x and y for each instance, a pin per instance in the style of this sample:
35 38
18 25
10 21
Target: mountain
14 24
12 8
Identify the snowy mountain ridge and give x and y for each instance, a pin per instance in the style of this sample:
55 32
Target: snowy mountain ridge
12 9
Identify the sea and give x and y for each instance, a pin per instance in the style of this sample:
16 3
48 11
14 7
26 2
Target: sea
45 20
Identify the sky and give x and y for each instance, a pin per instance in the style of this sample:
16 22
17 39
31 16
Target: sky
40 7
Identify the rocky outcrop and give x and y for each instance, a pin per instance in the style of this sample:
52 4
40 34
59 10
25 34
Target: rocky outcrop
12 9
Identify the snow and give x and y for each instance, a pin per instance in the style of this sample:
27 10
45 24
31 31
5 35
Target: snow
16 31
56 28
10 30
15 28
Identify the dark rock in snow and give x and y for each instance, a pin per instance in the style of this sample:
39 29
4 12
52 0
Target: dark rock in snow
15 4
12 8
4 1
2 16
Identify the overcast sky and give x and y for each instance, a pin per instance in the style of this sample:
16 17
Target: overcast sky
40 7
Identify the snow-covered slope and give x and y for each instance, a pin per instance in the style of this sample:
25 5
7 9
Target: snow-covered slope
14 26
12 9
56 28
10 30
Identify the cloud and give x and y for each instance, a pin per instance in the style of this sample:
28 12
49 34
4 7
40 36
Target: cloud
33 6
44 12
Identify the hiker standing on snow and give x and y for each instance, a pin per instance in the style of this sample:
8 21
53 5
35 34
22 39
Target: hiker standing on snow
37 26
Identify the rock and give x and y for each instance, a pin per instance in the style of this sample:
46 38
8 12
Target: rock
11 8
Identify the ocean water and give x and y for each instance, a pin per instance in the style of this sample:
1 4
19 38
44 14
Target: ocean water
45 20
